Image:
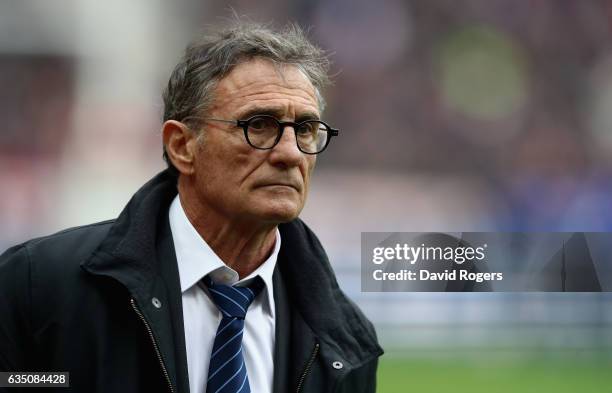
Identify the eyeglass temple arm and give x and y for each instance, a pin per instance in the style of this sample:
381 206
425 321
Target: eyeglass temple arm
221 120
210 118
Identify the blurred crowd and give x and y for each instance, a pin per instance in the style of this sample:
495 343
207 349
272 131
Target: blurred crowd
503 104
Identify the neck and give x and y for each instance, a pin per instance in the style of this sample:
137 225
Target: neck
241 244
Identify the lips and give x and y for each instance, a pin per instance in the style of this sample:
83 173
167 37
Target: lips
295 186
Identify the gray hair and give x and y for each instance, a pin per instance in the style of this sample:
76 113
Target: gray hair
214 55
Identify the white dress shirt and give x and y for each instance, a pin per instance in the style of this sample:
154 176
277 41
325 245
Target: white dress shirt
201 316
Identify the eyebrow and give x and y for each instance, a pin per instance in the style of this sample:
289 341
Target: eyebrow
276 112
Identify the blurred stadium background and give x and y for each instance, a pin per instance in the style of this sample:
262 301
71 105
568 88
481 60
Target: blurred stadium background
457 116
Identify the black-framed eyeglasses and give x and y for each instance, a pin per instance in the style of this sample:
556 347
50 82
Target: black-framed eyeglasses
263 132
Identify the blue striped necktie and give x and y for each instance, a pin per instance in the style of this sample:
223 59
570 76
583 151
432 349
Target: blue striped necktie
227 371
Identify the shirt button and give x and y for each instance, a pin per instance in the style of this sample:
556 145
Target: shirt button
156 302
337 365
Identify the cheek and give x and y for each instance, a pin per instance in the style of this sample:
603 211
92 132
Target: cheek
211 167
249 167
311 161
233 168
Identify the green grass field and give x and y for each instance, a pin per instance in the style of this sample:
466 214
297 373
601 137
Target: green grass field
399 375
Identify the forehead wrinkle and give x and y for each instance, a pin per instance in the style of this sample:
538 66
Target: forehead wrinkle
280 112
280 99
278 104
263 88
289 80
288 98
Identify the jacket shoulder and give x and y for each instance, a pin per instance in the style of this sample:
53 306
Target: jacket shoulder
72 245
97 228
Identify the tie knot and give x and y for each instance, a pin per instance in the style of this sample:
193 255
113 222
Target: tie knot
233 301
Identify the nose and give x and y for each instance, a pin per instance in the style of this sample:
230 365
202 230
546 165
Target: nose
286 151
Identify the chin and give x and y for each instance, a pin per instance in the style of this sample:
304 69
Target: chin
274 207
282 216
280 213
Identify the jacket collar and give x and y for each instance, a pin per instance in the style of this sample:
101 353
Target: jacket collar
313 289
129 251
129 254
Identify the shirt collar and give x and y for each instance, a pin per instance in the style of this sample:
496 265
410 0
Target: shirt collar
196 259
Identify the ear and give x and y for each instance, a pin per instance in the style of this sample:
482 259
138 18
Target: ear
179 141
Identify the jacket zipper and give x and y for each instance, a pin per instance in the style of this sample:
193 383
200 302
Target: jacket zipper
308 367
155 346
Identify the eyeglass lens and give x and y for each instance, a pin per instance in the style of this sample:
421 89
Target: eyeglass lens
263 131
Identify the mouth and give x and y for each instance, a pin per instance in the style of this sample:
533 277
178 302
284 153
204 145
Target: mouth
292 186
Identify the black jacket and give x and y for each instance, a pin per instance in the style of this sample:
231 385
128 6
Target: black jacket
82 301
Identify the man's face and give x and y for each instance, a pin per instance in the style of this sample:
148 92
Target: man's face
238 181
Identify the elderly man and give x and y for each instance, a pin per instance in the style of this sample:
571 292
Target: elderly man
207 281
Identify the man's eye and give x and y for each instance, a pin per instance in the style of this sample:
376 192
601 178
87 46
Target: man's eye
257 124
262 124
307 128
